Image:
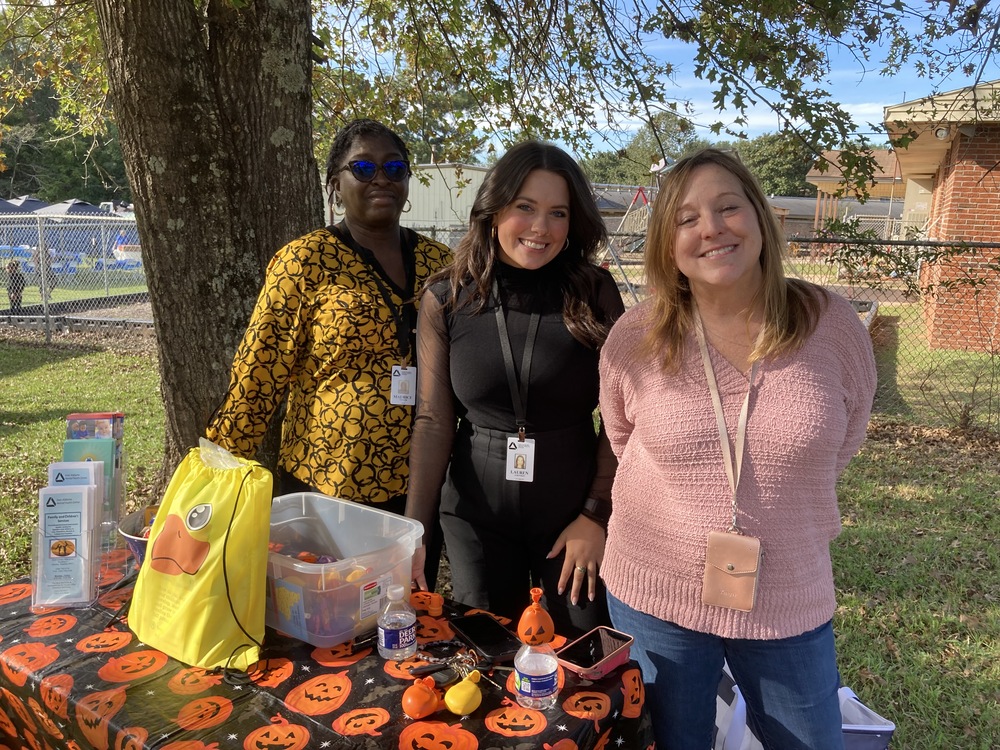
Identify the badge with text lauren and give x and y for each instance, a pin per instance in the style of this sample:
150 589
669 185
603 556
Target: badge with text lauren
404 386
520 459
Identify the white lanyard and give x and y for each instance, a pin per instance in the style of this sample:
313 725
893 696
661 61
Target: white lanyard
732 472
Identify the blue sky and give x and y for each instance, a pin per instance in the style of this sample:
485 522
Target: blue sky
863 94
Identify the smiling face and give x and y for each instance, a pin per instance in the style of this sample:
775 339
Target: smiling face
532 228
718 236
379 202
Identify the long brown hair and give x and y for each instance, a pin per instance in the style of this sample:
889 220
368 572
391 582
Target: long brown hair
791 306
477 252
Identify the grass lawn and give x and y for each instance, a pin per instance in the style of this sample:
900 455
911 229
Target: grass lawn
917 565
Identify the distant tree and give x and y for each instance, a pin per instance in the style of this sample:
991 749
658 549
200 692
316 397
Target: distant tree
669 136
781 162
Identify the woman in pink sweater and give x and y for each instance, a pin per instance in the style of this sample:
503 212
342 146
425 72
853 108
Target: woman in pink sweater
733 399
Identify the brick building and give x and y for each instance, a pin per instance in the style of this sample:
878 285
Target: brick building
951 175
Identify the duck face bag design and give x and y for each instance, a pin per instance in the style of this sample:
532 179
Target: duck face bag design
199 596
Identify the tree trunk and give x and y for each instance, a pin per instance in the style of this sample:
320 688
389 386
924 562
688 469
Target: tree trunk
213 103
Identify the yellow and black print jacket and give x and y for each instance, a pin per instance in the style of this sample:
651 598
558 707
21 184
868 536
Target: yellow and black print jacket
322 333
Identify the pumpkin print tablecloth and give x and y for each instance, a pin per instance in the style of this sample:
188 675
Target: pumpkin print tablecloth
68 679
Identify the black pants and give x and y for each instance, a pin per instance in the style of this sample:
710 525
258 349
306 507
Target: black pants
498 532
397 505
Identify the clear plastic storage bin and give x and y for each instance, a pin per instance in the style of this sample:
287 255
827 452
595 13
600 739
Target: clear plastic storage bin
328 603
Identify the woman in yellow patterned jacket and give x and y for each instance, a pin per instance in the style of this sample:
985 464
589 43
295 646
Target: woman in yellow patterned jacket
333 330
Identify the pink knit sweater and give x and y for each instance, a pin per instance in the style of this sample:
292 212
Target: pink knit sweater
808 415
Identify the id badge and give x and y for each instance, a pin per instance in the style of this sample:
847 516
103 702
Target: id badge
520 459
404 385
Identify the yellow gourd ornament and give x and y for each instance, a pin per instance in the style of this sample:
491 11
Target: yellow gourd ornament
464 698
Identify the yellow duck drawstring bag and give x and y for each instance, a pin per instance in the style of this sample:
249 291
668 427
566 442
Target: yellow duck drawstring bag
200 593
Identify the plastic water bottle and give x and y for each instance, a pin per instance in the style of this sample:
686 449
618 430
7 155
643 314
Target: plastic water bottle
397 626
536 669
536 676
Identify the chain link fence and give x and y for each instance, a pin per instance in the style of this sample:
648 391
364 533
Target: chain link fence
936 338
72 272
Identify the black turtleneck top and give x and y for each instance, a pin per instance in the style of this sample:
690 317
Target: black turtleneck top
461 371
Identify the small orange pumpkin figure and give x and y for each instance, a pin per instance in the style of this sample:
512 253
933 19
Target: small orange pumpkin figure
50 625
361 721
427 601
320 695
270 673
130 666
635 693
512 720
535 626
278 735
131 738
54 691
206 712
420 699
588 704
437 735
95 711
109 640
193 680
339 656
23 659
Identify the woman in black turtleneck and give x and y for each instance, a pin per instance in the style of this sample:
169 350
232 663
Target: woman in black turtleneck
507 348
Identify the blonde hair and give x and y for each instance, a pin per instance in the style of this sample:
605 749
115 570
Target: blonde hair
791 306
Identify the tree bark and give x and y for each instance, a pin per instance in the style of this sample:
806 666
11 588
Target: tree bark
213 103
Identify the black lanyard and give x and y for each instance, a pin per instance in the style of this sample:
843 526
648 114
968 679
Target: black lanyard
518 394
404 316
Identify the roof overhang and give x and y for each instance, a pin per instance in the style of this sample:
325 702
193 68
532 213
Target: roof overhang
934 121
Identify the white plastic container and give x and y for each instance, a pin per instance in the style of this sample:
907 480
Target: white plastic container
326 604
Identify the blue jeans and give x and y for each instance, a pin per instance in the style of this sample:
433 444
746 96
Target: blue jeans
790 684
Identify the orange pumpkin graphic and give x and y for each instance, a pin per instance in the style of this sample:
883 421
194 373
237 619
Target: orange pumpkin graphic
14 592
635 693
433 629
20 709
193 680
361 721
50 625
95 711
202 713
320 695
339 656
588 704
270 673
54 691
513 720
44 719
23 659
436 735
278 735
132 666
131 738
563 744
108 640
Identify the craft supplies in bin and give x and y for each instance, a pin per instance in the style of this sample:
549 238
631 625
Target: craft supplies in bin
331 564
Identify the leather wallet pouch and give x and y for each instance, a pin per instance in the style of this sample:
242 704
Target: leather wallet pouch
731 566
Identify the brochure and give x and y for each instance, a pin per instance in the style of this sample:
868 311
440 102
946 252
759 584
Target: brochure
64 553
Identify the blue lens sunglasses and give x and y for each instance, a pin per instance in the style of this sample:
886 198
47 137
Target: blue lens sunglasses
396 170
